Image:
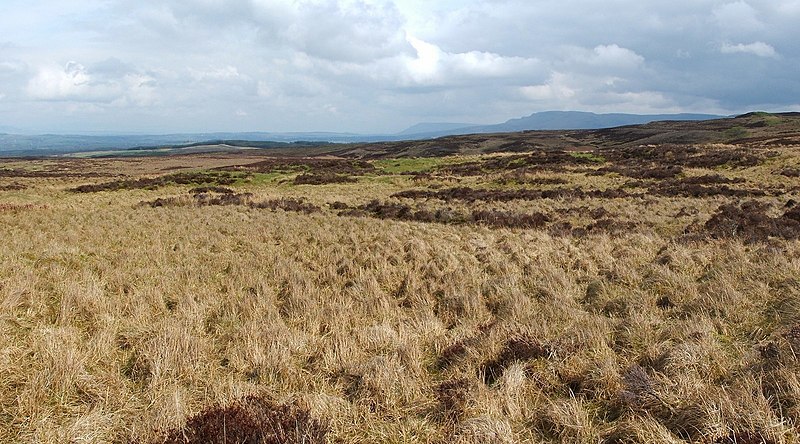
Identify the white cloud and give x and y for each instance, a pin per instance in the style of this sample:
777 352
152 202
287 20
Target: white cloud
221 73
72 82
351 31
556 88
641 101
789 7
75 83
760 49
425 66
433 66
616 56
738 16
571 91
601 60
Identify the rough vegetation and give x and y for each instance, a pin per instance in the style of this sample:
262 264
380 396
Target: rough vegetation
532 288
751 223
208 178
253 420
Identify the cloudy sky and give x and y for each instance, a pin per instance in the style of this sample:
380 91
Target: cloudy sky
375 66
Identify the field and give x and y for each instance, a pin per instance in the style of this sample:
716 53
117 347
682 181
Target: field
633 285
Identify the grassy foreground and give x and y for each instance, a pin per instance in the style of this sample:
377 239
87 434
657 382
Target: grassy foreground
545 296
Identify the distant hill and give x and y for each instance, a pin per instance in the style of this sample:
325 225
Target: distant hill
556 120
750 130
425 128
16 144
4 129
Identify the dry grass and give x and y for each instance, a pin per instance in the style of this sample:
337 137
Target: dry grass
124 322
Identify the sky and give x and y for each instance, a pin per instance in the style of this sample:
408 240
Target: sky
379 66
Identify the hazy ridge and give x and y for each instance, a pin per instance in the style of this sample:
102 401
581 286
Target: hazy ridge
51 144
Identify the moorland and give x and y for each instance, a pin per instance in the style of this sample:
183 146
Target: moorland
638 284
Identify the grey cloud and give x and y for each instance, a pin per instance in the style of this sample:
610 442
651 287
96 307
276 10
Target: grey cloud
760 49
358 33
737 17
112 68
373 65
75 83
350 32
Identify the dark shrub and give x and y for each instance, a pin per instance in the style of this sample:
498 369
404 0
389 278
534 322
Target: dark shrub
252 420
211 189
750 222
209 178
505 219
453 396
287 204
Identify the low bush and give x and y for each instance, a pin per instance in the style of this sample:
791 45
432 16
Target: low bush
252 420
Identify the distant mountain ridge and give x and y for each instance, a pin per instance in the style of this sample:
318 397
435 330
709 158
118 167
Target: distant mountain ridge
422 128
560 120
50 144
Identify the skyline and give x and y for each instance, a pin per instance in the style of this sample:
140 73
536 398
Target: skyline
382 66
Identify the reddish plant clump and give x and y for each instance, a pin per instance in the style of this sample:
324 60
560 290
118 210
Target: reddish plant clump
311 166
211 189
287 204
750 222
453 396
338 205
790 172
208 178
18 207
13 187
506 219
252 420
467 194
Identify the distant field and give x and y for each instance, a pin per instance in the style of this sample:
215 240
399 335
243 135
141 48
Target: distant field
632 285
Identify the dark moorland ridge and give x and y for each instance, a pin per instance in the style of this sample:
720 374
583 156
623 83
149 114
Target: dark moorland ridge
760 129
751 128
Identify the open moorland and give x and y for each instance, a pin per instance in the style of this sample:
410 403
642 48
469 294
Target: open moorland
630 285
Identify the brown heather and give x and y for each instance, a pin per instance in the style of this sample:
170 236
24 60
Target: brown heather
494 308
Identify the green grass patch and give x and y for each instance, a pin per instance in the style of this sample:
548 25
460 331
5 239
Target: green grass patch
408 165
265 178
737 132
591 157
